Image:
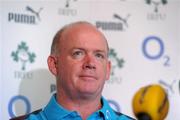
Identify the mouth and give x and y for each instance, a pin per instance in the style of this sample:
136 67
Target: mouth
88 77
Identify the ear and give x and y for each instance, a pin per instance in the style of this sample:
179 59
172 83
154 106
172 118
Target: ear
52 64
108 70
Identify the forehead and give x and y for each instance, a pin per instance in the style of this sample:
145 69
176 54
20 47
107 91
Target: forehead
83 36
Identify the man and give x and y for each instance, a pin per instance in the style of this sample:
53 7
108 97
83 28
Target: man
79 60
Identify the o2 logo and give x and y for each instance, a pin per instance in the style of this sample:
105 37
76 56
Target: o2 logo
158 53
114 105
14 100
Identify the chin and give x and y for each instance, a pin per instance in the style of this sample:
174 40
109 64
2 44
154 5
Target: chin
90 92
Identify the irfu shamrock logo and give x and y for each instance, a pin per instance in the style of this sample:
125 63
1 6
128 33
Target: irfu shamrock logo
116 62
156 3
23 55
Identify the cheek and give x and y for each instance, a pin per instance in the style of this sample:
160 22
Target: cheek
106 70
69 68
102 70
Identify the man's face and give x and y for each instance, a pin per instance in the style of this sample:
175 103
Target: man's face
82 63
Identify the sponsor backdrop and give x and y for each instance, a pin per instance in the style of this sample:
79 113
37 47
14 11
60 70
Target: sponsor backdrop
144 44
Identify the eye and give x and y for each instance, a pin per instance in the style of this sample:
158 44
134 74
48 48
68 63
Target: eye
100 55
77 54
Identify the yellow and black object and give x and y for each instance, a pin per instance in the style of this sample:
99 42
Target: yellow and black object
150 103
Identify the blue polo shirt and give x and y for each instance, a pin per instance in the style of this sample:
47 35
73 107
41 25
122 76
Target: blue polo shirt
54 111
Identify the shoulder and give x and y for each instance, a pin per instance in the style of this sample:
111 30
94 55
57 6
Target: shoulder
121 116
23 117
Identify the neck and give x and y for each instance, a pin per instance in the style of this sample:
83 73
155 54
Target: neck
84 107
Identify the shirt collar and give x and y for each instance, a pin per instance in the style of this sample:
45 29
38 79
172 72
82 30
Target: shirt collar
106 110
54 111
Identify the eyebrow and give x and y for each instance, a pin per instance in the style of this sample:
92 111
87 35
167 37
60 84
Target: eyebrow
103 51
96 51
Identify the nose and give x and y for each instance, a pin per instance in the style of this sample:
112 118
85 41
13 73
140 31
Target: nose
89 62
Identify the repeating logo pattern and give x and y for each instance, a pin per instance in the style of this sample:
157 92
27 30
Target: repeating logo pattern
121 25
68 10
36 13
117 63
23 55
25 18
14 100
156 4
123 20
156 15
31 15
171 86
68 2
158 54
